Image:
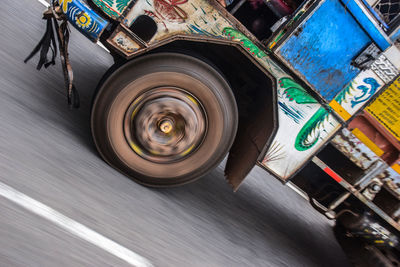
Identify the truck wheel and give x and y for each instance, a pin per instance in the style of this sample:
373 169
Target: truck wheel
361 254
164 119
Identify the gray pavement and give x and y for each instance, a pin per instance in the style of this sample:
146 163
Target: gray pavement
46 152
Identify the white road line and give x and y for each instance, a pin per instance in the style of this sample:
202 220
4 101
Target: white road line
43 2
102 46
72 226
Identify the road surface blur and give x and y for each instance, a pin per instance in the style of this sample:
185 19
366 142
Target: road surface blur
46 152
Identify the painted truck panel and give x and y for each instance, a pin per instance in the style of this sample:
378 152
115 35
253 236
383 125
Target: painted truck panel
367 84
112 8
357 93
386 109
322 50
83 18
364 18
355 150
304 126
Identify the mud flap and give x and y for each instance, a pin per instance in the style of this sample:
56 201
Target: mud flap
252 135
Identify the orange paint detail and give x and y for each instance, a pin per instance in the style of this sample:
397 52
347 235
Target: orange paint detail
396 167
339 110
333 174
368 142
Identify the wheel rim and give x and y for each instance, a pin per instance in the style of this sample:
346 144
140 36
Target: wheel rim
165 124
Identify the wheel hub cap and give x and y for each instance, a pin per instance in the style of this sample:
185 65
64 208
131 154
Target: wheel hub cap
165 124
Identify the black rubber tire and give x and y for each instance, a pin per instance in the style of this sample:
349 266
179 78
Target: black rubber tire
125 84
358 252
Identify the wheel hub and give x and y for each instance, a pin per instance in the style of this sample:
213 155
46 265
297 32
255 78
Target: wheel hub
165 124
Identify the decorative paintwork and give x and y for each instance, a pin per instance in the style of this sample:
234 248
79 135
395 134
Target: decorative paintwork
172 19
126 44
304 125
364 60
169 10
357 93
367 83
368 142
347 143
311 131
194 30
294 114
322 49
276 152
113 8
384 69
83 18
295 92
386 109
64 5
236 35
367 91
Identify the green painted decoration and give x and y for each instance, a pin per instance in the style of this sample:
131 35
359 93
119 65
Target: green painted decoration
113 8
345 92
295 92
122 4
310 132
234 35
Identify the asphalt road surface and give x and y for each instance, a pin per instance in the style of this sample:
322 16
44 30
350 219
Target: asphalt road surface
47 154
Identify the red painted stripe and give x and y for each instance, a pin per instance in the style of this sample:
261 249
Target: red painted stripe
333 174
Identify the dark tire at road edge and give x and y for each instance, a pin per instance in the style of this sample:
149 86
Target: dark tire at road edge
164 119
358 252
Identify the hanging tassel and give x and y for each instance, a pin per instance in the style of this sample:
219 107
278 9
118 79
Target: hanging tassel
53 15
63 40
47 42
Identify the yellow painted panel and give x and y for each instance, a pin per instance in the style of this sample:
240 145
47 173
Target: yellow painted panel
386 108
368 142
339 110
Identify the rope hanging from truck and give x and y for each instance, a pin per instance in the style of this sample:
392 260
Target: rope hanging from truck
56 22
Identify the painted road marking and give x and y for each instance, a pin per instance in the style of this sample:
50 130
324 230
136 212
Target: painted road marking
72 226
43 2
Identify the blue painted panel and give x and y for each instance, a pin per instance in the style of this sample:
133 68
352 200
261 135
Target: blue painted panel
395 36
376 15
367 24
83 18
323 50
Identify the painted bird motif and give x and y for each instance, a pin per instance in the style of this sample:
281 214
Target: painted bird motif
168 10
310 133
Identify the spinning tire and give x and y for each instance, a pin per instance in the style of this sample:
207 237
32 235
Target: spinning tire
164 119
